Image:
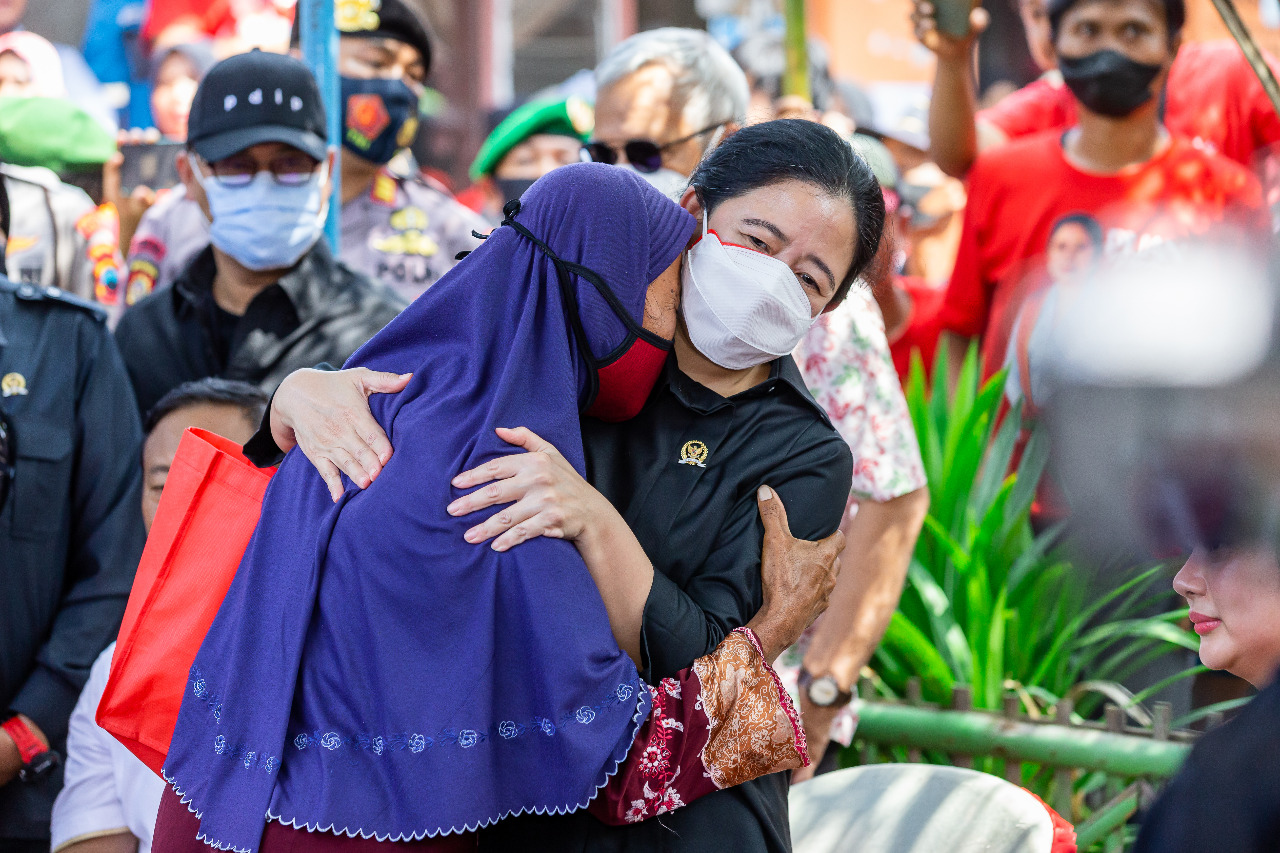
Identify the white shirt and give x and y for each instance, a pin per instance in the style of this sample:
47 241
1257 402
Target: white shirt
106 789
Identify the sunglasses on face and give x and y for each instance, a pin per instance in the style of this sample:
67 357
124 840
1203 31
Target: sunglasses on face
644 154
8 454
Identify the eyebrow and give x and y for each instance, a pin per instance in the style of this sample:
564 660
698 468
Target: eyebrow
777 232
158 469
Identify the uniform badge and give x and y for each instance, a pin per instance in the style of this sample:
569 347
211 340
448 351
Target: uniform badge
21 243
384 189
13 385
694 453
408 132
357 16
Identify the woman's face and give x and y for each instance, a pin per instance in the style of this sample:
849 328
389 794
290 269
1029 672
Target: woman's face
662 301
175 88
1071 251
1234 595
15 76
813 233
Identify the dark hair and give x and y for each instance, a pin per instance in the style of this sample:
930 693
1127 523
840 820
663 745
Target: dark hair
1090 225
1175 15
797 150
211 391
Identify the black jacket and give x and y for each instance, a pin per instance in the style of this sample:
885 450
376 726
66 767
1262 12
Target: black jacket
1227 795
320 311
71 527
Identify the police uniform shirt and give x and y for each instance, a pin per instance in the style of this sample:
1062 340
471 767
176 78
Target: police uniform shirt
684 475
172 232
71 527
402 233
45 247
406 234
319 311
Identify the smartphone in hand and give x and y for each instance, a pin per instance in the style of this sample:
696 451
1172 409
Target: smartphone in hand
952 17
149 164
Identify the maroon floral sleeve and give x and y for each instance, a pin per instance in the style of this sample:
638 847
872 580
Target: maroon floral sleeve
721 722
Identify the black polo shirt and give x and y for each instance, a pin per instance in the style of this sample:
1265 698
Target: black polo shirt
684 475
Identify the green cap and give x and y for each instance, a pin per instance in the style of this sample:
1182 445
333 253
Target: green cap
570 117
53 133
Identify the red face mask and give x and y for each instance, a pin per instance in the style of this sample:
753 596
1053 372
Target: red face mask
625 381
621 381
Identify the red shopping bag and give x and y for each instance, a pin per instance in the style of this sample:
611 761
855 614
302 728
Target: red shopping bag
210 506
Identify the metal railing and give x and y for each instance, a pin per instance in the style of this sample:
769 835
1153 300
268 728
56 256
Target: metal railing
1097 774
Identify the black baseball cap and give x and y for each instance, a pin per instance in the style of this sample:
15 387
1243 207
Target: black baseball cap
253 98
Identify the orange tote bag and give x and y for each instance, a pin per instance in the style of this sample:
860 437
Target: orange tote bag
210 506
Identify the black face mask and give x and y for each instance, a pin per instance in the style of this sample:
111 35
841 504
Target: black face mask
512 188
1108 82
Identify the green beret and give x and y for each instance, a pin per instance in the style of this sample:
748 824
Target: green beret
570 117
53 133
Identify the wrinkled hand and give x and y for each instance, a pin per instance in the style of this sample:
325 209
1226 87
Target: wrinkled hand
947 47
798 577
326 414
547 496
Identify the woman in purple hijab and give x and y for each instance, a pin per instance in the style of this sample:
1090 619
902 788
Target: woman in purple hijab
370 673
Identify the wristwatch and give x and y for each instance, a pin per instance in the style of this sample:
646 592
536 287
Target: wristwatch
37 759
823 692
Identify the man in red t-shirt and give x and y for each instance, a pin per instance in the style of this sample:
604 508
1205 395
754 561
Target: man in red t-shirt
1213 97
1144 186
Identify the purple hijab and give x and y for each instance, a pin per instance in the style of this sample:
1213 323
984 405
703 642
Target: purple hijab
369 672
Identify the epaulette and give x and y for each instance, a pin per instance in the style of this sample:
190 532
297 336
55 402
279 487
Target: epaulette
28 292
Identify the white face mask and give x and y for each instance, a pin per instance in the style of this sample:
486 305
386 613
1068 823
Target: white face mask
669 182
741 307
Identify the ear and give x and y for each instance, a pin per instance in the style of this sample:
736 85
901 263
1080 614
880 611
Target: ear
189 180
730 129
689 201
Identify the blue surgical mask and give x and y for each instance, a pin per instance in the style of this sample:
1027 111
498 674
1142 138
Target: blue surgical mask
266 225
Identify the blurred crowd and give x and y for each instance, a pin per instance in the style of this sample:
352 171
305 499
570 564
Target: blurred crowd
166 187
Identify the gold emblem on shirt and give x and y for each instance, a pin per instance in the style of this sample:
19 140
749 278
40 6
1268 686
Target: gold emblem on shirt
410 236
694 453
13 385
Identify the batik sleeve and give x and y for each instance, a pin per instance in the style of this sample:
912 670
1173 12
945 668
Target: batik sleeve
723 721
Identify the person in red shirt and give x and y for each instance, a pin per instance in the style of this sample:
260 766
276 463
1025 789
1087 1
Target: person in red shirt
1213 97
1118 163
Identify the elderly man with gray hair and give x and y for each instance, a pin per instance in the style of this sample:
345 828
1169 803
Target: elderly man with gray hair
664 98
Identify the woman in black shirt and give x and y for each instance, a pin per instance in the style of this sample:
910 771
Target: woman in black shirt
666 521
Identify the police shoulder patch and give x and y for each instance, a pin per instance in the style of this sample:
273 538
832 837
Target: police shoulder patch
35 293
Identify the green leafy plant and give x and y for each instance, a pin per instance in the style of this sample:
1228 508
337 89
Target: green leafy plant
989 601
